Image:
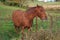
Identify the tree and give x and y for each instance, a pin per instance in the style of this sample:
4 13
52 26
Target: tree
22 2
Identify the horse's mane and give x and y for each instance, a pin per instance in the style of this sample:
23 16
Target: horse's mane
30 8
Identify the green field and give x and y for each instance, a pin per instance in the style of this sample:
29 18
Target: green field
7 31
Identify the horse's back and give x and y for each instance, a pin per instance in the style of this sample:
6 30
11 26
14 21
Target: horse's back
17 17
18 12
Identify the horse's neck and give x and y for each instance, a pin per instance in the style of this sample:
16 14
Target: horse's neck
30 14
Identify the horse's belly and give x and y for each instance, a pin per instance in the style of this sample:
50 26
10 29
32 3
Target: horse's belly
26 22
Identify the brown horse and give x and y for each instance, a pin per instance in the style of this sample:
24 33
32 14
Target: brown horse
24 19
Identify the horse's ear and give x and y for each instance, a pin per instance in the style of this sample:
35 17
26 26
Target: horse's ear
37 5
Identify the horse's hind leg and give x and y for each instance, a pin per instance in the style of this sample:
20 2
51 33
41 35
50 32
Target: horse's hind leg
22 32
28 35
16 28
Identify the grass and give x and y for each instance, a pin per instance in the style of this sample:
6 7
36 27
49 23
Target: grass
7 31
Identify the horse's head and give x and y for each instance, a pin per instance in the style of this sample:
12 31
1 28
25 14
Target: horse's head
40 12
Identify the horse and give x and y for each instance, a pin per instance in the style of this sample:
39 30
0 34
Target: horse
24 19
